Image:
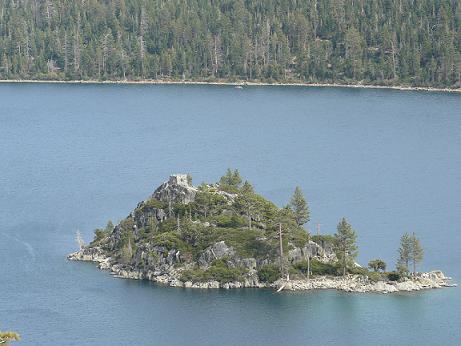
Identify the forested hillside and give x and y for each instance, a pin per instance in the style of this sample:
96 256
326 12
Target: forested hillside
388 42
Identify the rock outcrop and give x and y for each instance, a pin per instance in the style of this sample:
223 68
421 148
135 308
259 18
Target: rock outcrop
215 252
176 190
312 250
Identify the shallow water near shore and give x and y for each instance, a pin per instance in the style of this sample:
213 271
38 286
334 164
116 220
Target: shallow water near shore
74 156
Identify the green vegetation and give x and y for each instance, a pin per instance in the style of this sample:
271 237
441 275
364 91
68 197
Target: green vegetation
377 265
231 181
100 234
410 251
7 337
219 271
384 42
316 267
324 239
417 253
374 276
393 276
269 273
299 207
346 248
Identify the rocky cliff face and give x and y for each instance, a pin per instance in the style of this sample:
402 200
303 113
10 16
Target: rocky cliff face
313 251
176 190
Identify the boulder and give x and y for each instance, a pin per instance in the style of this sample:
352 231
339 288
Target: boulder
214 252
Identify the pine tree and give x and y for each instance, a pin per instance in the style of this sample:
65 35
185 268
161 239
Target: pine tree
109 227
405 252
300 207
417 252
246 200
346 248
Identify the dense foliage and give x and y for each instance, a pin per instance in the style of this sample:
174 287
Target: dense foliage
344 41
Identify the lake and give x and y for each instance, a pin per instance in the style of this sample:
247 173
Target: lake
74 156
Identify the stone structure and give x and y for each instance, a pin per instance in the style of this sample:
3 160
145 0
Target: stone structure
176 190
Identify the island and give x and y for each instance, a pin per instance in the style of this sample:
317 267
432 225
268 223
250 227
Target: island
225 235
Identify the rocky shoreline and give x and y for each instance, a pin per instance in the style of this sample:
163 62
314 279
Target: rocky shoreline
350 283
237 83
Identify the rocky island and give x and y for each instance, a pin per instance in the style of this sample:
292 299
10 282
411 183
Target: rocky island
224 235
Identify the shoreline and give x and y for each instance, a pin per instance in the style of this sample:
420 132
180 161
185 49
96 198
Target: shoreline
229 83
352 283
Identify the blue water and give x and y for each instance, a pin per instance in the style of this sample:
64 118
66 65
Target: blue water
74 156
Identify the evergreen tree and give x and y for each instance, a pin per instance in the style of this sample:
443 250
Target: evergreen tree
405 252
386 42
299 206
417 252
109 227
346 248
231 181
377 265
246 201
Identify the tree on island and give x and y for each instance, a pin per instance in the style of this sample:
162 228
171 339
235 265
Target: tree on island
410 251
300 207
404 253
417 252
7 337
284 223
246 201
231 181
346 248
377 265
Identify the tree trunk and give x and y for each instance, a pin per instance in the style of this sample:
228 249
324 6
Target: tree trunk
281 249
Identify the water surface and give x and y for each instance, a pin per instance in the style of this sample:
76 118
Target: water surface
74 156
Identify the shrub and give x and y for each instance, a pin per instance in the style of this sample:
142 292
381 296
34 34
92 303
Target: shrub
193 275
374 276
269 273
230 221
358 271
218 271
246 242
320 239
168 225
301 267
154 203
393 276
320 268
170 241
377 265
99 234
222 273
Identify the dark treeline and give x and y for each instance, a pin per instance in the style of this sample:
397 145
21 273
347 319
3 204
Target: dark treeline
389 42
